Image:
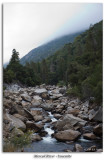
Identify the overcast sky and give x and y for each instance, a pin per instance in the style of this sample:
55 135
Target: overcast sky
29 25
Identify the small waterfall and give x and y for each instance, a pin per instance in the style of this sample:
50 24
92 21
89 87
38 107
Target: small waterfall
49 130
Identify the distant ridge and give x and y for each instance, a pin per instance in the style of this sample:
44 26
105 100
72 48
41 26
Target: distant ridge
43 51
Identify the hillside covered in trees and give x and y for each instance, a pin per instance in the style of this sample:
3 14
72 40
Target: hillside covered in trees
77 65
48 49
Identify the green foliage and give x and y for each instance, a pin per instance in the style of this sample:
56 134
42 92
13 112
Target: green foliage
15 142
61 83
21 140
75 91
48 49
15 72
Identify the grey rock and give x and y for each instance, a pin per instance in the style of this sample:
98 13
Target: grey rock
40 91
98 129
67 135
78 148
35 137
89 136
17 123
71 120
26 97
96 115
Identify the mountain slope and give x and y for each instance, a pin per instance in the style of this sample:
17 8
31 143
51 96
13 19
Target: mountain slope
78 64
48 49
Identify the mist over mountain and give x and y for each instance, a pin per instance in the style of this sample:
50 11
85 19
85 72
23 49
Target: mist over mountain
43 51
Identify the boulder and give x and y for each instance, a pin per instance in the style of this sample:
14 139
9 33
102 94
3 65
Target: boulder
72 111
47 106
71 120
67 135
48 119
7 103
36 112
96 115
40 91
89 136
17 123
22 118
25 104
38 118
57 116
33 126
36 101
45 96
55 91
78 148
29 115
37 98
35 137
98 129
56 96
26 97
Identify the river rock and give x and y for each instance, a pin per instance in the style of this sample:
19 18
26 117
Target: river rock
98 129
45 96
55 91
89 136
28 113
33 126
56 96
37 98
38 118
26 97
36 112
47 106
47 119
78 148
35 137
17 123
57 116
40 91
96 115
72 111
25 104
67 135
22 118
71 120
7 103
36 101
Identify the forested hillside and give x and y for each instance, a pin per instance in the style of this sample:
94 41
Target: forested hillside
77 65
48 49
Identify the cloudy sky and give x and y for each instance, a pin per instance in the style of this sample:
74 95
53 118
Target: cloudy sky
29 25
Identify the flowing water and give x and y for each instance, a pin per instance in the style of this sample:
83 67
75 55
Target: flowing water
50 144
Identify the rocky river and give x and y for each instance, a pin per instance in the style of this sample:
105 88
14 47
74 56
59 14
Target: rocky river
59 123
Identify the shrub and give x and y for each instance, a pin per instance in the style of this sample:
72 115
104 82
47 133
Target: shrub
15 142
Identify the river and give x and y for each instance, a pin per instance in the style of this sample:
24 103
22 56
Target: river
50 144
